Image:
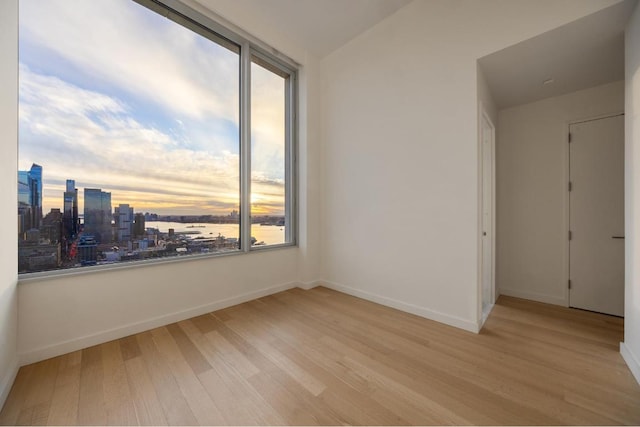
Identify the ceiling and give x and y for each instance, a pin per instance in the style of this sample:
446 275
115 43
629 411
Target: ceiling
320 26
582 54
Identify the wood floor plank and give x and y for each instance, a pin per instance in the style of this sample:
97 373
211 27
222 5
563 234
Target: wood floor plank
235 403
129 348
35 415
298 373
204 323
40 414
143 394
175 408
191 354
290 407
231 355
203 408
117 394
66 394
413 407
25 417
15 401
91 405
238 402
44 376
322 357
282 383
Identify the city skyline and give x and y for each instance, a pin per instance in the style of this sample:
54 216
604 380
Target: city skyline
29 196
141 107
110 234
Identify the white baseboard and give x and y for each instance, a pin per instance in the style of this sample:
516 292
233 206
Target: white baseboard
7 382
485 314
632 360
534 296
310 285
145 325
455 321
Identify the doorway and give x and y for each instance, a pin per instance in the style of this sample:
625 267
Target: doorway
487 141
596 215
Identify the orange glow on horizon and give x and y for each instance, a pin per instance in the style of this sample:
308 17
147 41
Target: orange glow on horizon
261 204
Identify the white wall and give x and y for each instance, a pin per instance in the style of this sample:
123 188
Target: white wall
309 180
8 191
485 97
69 312
400 150
630 349
532 176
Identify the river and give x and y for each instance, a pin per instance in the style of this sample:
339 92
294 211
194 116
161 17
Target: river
269 234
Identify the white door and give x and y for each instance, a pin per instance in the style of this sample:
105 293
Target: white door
596 211
488 144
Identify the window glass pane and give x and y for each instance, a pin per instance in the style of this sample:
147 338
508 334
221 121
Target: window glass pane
268 154
128 136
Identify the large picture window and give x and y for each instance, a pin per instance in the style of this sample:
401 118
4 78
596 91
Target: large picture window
145 134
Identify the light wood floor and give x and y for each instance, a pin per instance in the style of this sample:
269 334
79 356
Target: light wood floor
322 357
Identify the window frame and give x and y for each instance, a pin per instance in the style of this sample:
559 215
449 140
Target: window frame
249 48
290 175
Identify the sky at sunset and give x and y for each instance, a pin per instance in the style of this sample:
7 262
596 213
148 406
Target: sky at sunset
117 97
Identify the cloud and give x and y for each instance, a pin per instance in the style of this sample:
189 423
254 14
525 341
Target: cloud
119 98
267 124
79 134
141 52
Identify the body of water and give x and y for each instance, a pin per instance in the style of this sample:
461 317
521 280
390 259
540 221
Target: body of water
269 234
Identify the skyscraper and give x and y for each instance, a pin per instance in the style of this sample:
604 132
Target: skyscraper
123 215
25 216
24 188
70 211
30 198
36 175
97 214
138 225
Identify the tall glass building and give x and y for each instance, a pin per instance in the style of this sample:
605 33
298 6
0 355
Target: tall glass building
97 215
30 198
25 217
70 211
36 176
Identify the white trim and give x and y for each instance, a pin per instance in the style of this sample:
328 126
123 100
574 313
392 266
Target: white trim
566 220
483 115
455 321
7 381
245 148
485 314
534 296
633 362
145 325
310 285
